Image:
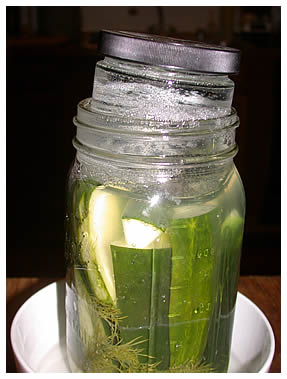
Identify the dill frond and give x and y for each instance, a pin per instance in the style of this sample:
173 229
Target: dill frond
192 367
110 355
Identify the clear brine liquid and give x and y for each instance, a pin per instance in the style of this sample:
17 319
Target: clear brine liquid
151 284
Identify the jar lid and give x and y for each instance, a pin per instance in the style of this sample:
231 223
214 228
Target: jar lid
166 51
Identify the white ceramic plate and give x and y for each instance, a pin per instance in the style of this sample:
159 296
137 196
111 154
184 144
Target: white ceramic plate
38 335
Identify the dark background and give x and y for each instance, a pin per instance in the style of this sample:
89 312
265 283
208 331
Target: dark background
51 57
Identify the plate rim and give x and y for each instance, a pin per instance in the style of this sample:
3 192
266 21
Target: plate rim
62 282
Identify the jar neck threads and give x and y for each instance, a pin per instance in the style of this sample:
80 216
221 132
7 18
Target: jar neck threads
157 115
115 138
151 93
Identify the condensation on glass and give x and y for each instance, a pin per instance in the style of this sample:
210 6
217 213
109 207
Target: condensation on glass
155 210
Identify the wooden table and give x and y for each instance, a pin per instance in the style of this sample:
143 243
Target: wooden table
264 291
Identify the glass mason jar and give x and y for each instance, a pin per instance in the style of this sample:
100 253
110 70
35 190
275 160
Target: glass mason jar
155 210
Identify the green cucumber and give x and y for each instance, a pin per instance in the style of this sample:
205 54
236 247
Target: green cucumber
139 234
152 211
89 267
189 211
151 242
190 306
78 197
144 223
100 227
142 279
97 222
92 330
230 239
160 296
95 328
132 272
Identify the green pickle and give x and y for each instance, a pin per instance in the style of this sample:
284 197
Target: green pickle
191 288
143 277
143 297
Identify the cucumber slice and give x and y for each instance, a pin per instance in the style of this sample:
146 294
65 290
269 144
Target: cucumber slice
92 331
77 211
144 223
101 226
233 224
81 195
188 211
142 279
230 239
132 272
152 211
139 234
160 296
191 287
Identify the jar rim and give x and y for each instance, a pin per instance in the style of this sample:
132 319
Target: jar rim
110 123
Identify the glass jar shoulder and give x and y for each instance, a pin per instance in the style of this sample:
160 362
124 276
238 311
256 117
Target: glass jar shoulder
159 204
234 194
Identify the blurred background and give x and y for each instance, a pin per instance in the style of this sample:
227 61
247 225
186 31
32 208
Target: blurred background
51 57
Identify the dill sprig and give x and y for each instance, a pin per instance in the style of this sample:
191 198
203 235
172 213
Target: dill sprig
110 355
191 366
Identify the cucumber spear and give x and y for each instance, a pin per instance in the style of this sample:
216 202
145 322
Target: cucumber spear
142 279
191 288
